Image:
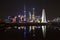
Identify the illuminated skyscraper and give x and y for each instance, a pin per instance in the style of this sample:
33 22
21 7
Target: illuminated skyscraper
43 16
33 15
29 15
43 21
24 13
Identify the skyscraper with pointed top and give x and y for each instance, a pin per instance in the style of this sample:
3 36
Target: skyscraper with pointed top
43 16
24 13
33 15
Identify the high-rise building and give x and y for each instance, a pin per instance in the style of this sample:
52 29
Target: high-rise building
24 13
29 15
33 15
43 16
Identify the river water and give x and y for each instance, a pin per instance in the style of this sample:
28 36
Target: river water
52 33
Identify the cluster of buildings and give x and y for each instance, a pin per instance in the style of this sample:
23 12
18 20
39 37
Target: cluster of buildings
30 18
23 18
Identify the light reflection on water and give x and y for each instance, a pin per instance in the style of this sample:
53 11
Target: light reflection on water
52 31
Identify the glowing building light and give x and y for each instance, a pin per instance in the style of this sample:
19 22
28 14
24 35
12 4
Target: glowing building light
33 27
22 27
24 13
30 28
15 17
18 27
18 15
29 15
33 15
13 20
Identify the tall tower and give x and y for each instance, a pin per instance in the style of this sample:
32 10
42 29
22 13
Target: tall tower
33 16
30 15
24 13
43 21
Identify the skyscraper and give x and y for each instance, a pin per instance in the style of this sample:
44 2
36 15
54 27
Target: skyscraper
33 16
29 15
24 13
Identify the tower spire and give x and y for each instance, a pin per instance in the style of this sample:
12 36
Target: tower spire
33 15
24 13
43 16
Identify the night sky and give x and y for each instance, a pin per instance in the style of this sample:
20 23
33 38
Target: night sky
12 7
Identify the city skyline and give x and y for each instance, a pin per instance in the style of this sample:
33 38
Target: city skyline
11 8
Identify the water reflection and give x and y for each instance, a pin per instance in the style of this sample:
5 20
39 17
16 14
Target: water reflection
25 33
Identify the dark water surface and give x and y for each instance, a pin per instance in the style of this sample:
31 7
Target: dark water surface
15 34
